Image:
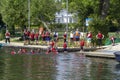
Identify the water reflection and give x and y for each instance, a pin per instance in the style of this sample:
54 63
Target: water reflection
71 66
68 66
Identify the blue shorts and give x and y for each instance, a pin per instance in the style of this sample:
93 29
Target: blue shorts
47 39
77 39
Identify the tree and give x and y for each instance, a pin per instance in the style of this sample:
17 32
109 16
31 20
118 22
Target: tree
14 12
83 9
104 8
43 10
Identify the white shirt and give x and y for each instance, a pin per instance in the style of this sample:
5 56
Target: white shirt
71 35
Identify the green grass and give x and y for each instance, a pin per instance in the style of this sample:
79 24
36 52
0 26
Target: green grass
59 43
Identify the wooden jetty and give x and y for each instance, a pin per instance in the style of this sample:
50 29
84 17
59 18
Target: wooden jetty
44 48
91 52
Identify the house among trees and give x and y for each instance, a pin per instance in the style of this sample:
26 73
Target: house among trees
64 17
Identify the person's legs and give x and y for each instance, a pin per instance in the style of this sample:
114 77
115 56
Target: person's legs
9 40
99 42
5 40
113 43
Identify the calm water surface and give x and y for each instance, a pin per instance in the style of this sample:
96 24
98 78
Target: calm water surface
63 66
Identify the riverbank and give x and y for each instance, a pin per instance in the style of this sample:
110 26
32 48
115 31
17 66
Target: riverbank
105 52
44 47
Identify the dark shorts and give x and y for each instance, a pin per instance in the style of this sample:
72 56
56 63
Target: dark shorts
65 40
77 39
65 49
81 47
36 39
47 38
99 42
43 38
71 39
26 37
32 39
55 39
7 40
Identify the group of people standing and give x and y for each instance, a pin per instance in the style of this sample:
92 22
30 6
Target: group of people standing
81 39
77 37
32 37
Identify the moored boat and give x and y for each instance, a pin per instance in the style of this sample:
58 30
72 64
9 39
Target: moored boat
117 56
1 45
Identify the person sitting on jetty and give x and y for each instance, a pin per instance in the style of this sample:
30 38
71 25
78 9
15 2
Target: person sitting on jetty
99 37
82 43
7 37
52 48
65 47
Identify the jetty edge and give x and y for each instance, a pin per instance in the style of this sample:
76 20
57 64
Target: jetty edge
90 52
43 47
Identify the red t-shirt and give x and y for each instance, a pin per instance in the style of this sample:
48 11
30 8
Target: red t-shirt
28 33
89 35
82 43
65 35
32 35
100 35
36 35
52 43
47 34
43 35
7 34
65 45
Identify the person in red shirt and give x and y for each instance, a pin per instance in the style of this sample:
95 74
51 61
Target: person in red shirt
25 36
99 37
65 47
36 37
54 50
32 34
112 38
65 36
82 43
22 50
13 52
89 38
43 36
51 48
28 36
47 38
7 37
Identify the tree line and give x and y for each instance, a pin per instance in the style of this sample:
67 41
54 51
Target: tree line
104 13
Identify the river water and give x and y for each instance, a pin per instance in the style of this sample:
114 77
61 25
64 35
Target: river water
63 66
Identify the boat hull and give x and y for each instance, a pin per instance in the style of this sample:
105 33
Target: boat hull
117 56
